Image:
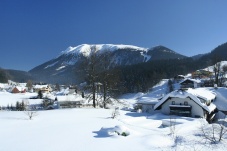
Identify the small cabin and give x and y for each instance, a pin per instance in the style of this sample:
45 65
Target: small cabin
190 83
18 89
147 106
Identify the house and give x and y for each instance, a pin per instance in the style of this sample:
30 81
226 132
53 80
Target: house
43 88
189 103
69 101
202 74
18 89
190 83
69 104
146 105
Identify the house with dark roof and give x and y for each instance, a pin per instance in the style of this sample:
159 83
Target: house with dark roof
190 83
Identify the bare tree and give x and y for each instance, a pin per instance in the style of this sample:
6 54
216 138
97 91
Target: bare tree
214 132
172 126
109 78
30 114
29 85
91 67
216 60
115 113
224 72
217 69
102 81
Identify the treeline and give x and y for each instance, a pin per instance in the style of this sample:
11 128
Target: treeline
141 77
3 76
19 106
15 75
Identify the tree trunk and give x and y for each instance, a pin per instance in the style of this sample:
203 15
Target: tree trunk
93 94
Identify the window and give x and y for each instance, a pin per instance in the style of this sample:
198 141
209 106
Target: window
173 102
185 103
180 110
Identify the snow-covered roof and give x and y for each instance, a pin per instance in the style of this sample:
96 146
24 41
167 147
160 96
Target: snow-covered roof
40 86
203 93
221 98
147 100
193 80
193 94
20 88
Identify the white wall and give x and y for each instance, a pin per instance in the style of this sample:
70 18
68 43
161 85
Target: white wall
147 108
196 109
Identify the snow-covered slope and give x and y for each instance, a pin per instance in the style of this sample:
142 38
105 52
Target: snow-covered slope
85 49
211 68
119 55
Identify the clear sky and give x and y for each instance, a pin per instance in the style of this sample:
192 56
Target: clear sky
35 31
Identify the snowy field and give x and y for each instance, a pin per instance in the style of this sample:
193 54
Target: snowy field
93 129
86 129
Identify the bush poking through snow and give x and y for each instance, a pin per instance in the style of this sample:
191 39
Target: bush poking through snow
115 113
121 130
30 114
214 132
124 134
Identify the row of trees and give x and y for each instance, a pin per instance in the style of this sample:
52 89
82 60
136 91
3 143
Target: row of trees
20 106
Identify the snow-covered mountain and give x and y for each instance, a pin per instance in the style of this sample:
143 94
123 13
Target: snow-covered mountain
63 67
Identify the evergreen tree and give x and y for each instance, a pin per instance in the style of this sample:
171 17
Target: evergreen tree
17 106
57 87
11 107
40 94
170 86
22 106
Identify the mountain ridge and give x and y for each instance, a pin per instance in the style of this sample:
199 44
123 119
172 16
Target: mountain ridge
120 55
63 67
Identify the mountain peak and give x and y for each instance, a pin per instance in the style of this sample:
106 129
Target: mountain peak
85 49
120 55
161 52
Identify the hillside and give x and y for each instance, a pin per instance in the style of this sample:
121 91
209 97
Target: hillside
63 68
15 75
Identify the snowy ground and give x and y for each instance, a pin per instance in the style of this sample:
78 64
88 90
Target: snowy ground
87 129
93 129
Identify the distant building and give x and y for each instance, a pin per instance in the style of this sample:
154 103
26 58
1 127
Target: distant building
190 83
201 74
43 88
147 106
18 89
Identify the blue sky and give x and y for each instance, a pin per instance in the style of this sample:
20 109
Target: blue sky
35 31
